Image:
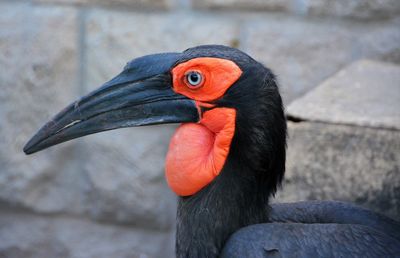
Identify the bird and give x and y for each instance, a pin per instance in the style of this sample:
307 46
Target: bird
225 160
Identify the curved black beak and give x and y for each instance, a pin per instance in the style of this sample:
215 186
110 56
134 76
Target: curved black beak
140 95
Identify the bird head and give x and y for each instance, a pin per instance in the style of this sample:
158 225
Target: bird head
228 104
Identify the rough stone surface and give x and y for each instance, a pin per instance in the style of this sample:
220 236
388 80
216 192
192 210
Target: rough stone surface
304 53
269 5
362 9
367 93
39 75
111 42
354 9
32 236
144 4
126 171
348 163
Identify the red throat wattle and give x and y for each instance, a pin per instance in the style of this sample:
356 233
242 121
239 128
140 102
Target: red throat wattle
198 151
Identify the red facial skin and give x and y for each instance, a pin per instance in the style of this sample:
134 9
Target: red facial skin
198 151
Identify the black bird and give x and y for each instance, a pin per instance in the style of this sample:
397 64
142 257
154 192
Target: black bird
225 160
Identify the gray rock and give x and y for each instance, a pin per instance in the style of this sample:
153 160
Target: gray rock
355 9
32 236
144 4
38 76
366 93
346 145
347 163
110 38
304 53
269 5
380 41
126 172
361 9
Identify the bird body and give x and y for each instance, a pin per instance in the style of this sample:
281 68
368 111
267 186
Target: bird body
310 240
317 229
225 160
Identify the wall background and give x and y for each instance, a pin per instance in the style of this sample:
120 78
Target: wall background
105 195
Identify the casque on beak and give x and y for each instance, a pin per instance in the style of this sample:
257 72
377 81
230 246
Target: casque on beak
141 94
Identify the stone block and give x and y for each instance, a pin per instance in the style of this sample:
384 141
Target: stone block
134 4
380 41
125 169
265 5
114 38
367 93
360 9
345 146
346 163
39 76
303 53
32 236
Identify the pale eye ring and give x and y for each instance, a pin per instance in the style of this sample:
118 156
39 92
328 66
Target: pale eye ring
194 79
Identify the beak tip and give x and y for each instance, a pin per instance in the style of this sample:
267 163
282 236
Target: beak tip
28 148
27 152
32 146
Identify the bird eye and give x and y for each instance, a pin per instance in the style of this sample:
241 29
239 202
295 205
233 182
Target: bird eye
194 79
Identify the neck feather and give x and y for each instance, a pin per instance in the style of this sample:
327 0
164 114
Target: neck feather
205 221
254 168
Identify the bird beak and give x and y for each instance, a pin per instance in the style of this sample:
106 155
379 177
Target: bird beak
140 95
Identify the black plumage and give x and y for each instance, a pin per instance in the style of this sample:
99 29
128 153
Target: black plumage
317 229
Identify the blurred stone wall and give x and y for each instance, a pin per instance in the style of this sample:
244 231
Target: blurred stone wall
105 195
